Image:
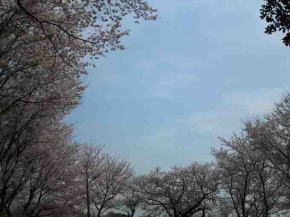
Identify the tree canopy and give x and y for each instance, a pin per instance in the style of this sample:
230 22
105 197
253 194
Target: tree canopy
277 14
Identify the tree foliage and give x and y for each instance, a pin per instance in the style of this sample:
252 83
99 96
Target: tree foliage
44 48
181 192
277 14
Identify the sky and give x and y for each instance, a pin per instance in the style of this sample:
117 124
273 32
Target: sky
194 75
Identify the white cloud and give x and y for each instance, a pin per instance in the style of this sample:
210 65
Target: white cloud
174 72
227 116
254 102
190 137
222 120
172 81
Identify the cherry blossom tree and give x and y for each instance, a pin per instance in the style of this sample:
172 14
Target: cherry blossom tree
271 137
181 192
31 177
50 165
132 198
110 185
101 180
44 34
249 184
91 167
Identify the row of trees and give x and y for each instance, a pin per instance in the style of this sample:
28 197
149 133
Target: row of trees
69 182
44 48
250 178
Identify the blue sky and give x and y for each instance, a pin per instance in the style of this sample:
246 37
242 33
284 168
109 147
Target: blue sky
186 79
